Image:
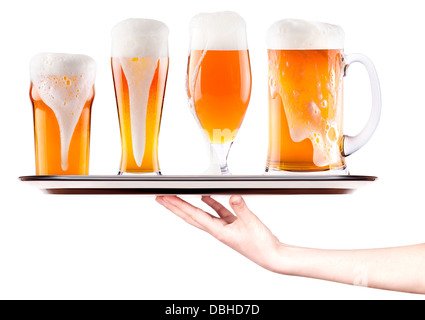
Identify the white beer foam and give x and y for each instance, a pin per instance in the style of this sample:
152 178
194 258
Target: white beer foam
139 74
64 82
218 31
293 34
140 38
139 44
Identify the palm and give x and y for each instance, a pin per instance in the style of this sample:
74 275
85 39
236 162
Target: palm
243 232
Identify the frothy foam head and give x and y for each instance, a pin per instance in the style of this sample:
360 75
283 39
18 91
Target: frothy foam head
62 64
218 31
140 38
293 34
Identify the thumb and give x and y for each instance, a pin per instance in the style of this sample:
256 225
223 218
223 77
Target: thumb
240 208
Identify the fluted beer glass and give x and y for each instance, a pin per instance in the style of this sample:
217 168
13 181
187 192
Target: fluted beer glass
62 93
140 68
307 65
219 79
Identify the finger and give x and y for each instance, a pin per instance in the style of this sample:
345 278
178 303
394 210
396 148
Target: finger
227 215
178 212
240 208
209 222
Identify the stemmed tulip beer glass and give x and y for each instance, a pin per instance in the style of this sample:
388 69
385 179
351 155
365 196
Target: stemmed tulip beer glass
219 79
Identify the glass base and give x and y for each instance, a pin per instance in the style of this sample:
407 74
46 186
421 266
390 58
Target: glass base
221 151
123 173
343 171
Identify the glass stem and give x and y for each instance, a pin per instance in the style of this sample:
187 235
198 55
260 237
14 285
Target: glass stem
221 151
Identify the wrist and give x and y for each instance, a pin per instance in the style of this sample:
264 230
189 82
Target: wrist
285 259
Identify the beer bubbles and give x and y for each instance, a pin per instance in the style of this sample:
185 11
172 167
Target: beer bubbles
65 83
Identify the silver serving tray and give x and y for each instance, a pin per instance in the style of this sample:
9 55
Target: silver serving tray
198 185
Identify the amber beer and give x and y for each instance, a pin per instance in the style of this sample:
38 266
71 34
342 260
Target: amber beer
62 93
305 101
151 125
140 68
219 82
305 73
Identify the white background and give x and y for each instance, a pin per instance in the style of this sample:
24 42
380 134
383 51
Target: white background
128 247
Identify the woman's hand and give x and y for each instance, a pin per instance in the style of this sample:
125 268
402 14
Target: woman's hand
241 230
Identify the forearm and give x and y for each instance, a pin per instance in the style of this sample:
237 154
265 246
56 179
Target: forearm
400 269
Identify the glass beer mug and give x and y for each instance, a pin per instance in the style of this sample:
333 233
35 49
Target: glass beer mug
306 68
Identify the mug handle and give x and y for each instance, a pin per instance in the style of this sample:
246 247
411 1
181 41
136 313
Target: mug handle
353 143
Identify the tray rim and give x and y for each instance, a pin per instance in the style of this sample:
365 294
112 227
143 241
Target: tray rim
204 178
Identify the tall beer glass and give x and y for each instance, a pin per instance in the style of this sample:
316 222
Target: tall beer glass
306 69
62 93
219 78
140 68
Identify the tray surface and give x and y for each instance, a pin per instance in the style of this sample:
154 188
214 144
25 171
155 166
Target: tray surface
199 185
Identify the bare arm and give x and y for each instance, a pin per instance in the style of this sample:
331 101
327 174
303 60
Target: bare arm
399 269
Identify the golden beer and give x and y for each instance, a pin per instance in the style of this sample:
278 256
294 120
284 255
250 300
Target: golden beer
305 101
155 92
62 93
219 80
305 73
219 83
139 68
